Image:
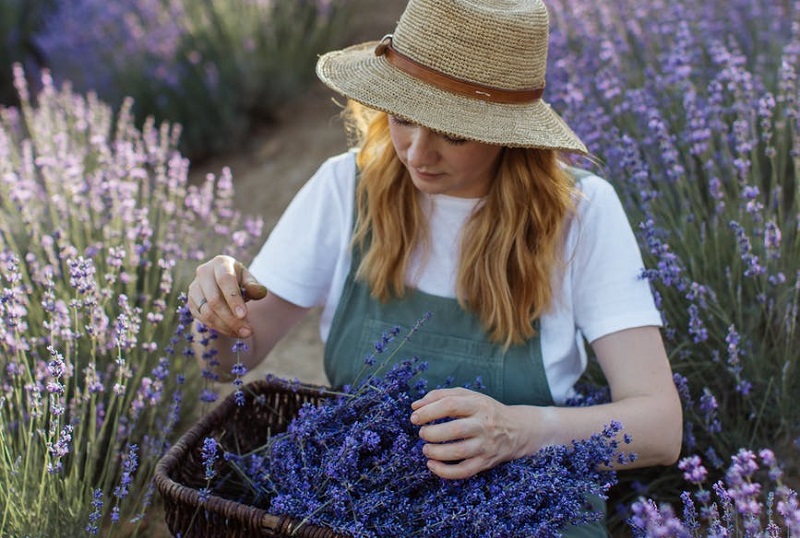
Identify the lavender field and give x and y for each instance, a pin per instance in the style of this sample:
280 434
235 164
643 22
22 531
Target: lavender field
691 110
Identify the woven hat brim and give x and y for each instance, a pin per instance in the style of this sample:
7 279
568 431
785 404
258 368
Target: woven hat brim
358 74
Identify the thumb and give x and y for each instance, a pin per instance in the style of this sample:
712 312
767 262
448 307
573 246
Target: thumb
251 289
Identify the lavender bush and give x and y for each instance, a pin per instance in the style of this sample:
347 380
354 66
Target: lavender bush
98 228
214 67
743 504
692 107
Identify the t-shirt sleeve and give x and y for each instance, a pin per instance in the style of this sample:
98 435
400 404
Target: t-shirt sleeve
299 258
609 292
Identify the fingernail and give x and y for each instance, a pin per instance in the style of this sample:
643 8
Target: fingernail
244 332
240 312
414 418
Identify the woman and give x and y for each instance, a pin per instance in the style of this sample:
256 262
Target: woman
457 202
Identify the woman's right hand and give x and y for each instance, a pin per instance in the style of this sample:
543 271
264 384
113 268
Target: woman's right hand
218 294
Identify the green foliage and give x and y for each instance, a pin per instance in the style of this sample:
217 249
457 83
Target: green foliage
215 67
239 62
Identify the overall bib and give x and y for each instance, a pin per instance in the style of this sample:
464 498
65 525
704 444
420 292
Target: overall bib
452 342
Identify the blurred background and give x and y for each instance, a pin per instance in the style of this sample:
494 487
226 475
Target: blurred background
218 68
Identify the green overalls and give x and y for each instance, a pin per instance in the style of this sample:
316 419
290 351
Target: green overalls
452 342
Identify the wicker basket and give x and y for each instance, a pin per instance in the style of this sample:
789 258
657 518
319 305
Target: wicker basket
269 407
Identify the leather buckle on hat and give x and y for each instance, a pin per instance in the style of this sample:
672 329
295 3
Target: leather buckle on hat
453 84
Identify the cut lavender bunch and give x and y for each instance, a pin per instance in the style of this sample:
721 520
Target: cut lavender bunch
354 464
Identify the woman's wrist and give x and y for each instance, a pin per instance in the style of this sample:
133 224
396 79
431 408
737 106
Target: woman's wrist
534 427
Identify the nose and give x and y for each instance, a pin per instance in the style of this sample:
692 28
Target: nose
421 149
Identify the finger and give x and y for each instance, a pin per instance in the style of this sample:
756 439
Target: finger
199 306
445 432
436 395
252 290
452 405
453 452
210 293
227 277
196 300
206 309
457 471
193 298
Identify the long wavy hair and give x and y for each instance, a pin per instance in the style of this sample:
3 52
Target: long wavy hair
510 247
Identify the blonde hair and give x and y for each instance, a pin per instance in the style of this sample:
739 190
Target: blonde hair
510 246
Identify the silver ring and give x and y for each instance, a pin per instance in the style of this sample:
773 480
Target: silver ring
202 303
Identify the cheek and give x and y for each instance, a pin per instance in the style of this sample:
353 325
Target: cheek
399 142
479 165
487 162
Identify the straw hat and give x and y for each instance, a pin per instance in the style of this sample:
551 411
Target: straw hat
472 69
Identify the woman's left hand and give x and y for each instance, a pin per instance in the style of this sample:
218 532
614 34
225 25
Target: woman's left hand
480 433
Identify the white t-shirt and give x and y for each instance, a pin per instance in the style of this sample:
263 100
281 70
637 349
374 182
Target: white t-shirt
306 260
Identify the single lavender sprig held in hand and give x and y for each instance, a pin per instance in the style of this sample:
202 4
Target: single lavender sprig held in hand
239 370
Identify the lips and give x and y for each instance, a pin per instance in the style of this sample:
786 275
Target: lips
427 175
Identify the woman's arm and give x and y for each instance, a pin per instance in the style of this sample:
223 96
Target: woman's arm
484 432
227 298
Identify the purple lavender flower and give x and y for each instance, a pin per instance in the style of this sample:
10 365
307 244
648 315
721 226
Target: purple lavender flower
651 520
789 507
210 455
59 449
690 516
741 503
208 396
129 465
693 470
697 328
239 370
97 511
239 346
381 345
589 394
708 407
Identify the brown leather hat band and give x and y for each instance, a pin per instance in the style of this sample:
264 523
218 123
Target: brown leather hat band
452 84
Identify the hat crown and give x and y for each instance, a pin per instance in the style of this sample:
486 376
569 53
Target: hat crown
471 69
498 43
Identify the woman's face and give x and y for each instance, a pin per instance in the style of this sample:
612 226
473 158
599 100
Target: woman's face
439 164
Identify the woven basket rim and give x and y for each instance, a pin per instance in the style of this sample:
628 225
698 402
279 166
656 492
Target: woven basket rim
257 517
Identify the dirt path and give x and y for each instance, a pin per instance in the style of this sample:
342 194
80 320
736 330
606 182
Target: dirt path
277 162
